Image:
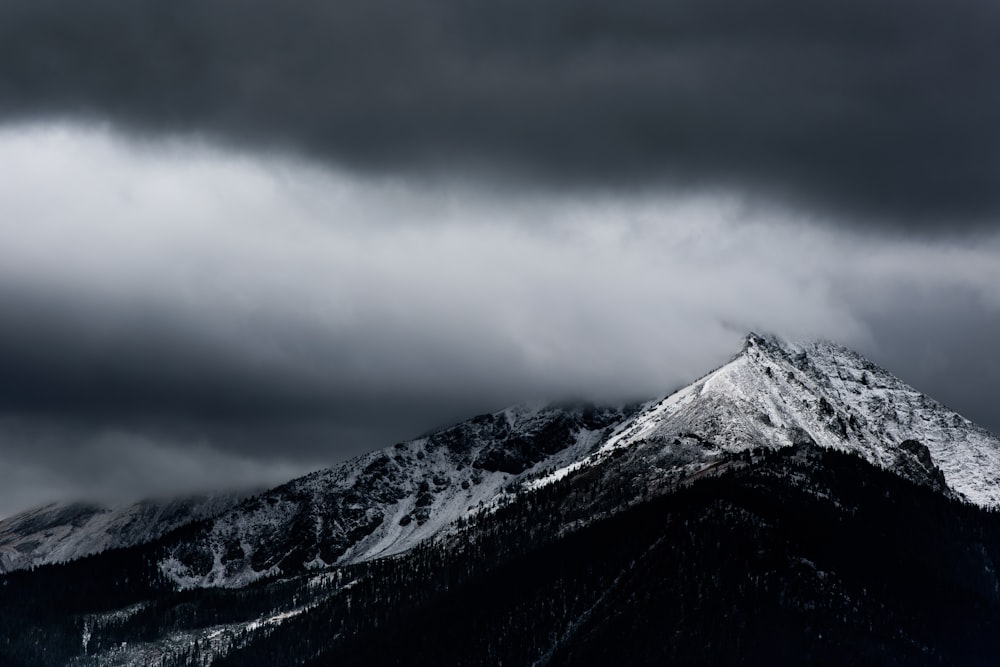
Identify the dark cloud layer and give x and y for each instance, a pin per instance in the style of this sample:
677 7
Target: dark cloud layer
92 366
585 199
885 111
943 342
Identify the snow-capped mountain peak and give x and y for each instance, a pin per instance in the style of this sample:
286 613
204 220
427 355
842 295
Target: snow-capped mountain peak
777 394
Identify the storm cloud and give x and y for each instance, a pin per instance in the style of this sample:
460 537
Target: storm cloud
876 114
181 318
242 240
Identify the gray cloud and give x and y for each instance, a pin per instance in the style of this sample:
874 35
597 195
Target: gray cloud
883 112
176 317
48 461
939 337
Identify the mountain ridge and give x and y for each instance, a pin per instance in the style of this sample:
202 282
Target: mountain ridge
796 504
771 394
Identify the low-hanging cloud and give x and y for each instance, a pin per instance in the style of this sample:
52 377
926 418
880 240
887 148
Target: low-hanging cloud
882 113
281 314
65 462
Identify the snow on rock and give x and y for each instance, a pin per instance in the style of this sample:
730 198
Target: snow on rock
387 501
61 532
777 394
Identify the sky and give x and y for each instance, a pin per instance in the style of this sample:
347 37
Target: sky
242 241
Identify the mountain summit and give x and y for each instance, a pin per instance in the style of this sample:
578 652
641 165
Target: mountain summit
777 394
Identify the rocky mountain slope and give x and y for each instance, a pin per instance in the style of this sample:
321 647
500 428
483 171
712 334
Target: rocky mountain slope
65 531
387 501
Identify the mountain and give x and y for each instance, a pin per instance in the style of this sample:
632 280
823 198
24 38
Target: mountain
772 394
778 394
798 505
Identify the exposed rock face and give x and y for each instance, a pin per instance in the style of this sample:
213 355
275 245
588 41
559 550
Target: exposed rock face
388 501
914 462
